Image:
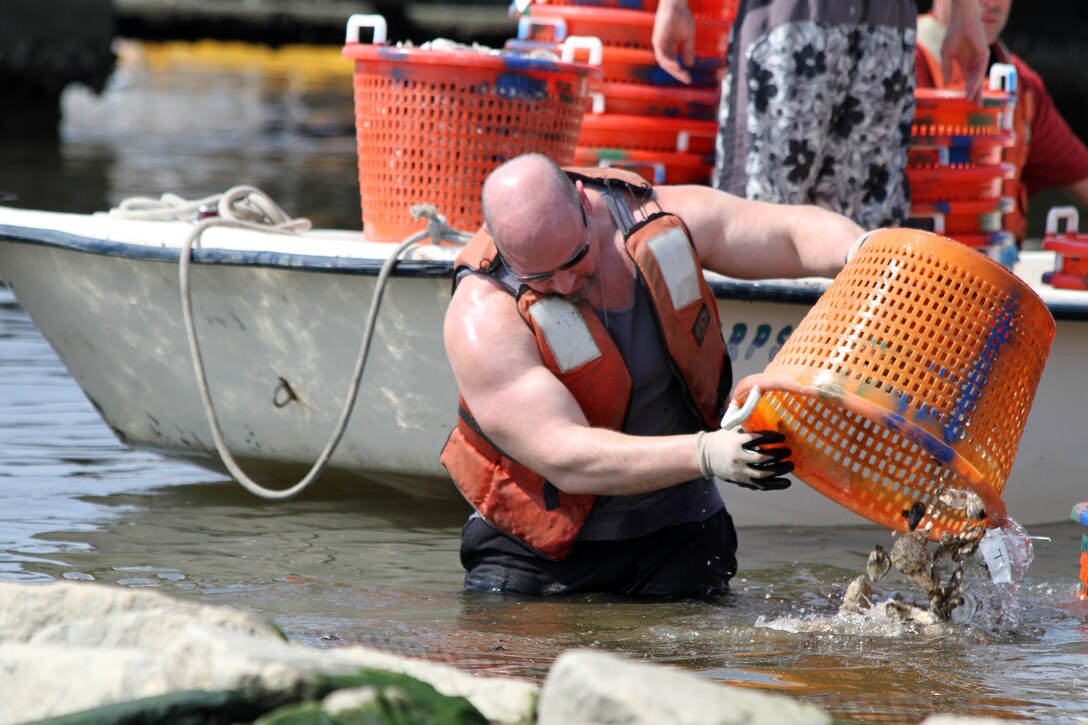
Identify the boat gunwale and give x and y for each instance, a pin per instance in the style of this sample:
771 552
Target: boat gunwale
795 292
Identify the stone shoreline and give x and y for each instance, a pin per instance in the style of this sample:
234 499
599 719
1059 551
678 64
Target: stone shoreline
74 652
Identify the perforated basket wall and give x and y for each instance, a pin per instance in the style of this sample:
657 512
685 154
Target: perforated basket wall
431 125
910 380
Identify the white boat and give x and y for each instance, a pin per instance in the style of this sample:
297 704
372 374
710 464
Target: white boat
280 317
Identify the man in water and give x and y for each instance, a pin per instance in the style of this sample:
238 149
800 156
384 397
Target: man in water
588 353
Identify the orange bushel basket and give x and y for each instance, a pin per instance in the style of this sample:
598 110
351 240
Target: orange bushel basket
432 124
648 133
1080 515
631 99
960 149
1070 249
911 378
984 216
657 167
626 65
947 111
958 182
701 9
615 28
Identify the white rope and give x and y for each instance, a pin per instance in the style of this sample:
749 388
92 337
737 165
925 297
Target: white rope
249 208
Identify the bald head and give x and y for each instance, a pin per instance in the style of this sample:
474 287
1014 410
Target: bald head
531 209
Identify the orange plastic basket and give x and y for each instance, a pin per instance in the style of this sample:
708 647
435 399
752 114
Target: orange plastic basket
910 380
630 99
964 217
947 111
1070 249
432 124
657 167
959 149
648 133
701 9
958 182
984 216
615 28
625 65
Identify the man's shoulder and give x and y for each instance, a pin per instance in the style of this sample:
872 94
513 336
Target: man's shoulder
480 290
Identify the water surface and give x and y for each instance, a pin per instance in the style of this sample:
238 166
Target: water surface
335 567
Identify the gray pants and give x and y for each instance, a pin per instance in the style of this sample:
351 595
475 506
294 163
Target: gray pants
817 104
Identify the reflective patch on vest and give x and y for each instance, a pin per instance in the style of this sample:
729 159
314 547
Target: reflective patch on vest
676 259
566 333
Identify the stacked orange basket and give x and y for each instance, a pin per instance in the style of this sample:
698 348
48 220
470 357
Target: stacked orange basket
431 124
957 168
1070 250
640 118
908 383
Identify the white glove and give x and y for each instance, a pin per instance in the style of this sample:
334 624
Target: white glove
749 460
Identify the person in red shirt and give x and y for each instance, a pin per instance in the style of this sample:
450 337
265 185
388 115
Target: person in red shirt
1048 154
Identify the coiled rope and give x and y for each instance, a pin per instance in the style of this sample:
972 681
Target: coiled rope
245 207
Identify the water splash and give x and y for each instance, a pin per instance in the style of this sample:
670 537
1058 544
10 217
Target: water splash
993 577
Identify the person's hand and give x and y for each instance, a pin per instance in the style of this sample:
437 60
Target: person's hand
674 38
754 461
965 42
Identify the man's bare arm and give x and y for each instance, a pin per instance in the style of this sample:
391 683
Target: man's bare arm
756 240
528 413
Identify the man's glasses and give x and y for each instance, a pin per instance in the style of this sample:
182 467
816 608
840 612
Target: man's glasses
578 257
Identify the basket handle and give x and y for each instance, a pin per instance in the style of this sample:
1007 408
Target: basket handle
1057 215
936 222
596 102
1003 77
656 167
683 139
374 22
735 415
582 42
526 24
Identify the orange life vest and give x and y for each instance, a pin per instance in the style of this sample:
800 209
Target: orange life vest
577 349
930 36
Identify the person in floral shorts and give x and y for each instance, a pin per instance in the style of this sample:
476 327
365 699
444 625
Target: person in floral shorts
818 98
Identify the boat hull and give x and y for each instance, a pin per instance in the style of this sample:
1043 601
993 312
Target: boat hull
280 333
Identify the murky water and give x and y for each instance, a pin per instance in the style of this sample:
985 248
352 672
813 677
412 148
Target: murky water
335 568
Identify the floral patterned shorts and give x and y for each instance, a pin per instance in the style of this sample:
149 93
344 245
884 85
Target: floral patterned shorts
818 113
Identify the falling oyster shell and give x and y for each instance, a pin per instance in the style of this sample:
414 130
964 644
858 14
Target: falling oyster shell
965 610
910 557
897 609
879 564
859 595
